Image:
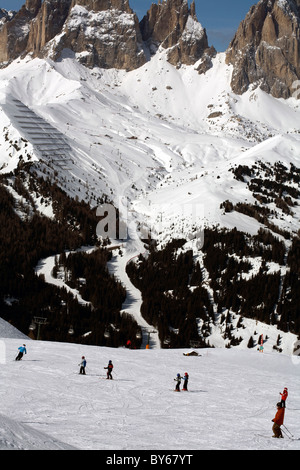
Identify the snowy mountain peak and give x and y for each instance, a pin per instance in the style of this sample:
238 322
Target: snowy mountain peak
174 26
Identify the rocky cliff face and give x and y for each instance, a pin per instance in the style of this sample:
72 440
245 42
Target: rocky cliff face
102 33
174 26
15 30
48 23
105 33
6 16
265 51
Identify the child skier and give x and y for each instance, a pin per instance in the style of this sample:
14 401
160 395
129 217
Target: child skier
178 382
82 366
284 396
185 381
22 351
278 421
109 369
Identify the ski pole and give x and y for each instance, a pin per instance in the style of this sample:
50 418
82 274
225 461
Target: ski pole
288 430
284 432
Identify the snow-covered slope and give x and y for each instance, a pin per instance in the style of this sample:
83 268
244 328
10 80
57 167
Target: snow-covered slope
160 142
46 404
143 138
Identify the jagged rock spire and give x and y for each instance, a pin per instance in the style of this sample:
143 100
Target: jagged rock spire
14 33
173 25
33 6
265 51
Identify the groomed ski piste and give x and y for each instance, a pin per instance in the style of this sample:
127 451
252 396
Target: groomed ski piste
46 405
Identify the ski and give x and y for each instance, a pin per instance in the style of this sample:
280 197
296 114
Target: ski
262 435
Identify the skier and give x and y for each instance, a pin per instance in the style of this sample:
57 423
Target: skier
185 381
22 351
109 370
82 366
284 396
278 421
178 382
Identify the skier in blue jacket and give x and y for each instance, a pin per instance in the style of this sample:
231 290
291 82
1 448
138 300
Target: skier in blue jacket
22 351
82 366
178 382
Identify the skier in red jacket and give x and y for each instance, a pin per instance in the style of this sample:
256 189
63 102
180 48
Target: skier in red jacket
109 370
185 383
278 421
284 396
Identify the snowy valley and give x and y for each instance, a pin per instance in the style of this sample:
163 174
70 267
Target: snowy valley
204 187
147 141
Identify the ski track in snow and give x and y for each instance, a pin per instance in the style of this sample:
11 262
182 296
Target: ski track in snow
133 301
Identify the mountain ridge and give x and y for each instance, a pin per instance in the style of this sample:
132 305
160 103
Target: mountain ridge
106 33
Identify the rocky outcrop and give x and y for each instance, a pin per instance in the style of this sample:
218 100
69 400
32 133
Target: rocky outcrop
175 27
6 16
265 51
14 32
48 23
105 33
102 5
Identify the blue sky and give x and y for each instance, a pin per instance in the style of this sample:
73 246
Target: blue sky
220 17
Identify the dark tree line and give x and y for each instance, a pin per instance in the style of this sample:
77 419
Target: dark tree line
176 301
289 303
26 236
175 297
165 279
228 260
88 273
271 185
